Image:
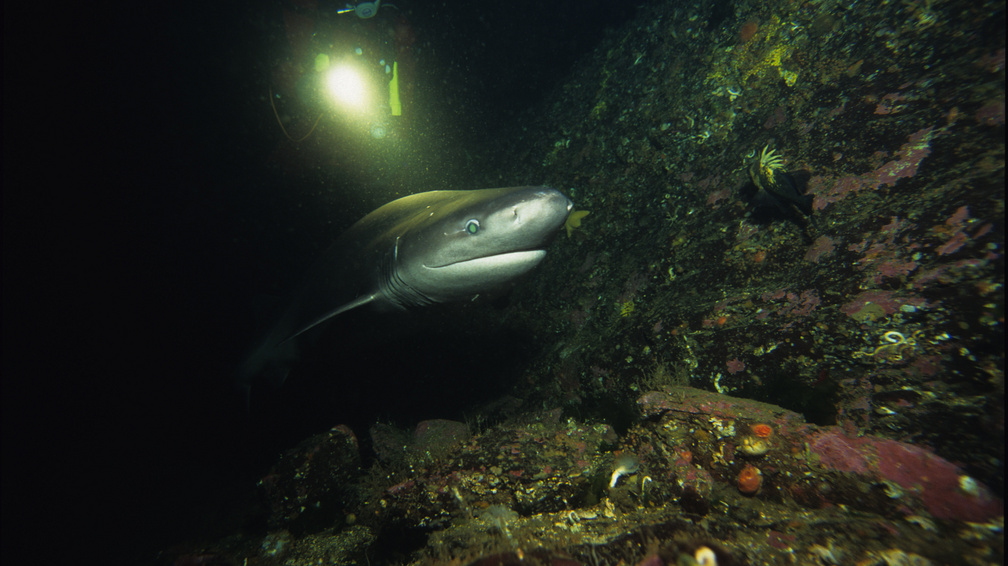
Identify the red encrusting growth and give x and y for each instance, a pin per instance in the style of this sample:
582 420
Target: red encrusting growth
750 479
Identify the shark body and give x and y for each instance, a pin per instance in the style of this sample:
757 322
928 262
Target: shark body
431 247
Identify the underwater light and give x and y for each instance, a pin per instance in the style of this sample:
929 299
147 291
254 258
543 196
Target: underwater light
347 87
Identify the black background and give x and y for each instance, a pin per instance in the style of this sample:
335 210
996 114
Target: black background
141 215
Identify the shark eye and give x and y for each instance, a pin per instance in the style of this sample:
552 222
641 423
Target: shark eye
472 226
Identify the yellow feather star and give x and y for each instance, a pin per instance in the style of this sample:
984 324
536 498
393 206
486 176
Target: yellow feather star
574 221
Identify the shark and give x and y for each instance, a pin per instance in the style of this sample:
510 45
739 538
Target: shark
426 248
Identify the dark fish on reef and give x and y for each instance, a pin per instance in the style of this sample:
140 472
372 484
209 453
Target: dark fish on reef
776 186
431 247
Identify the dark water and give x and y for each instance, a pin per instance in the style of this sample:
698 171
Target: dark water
148 201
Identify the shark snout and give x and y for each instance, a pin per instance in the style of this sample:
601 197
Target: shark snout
556 196
549 210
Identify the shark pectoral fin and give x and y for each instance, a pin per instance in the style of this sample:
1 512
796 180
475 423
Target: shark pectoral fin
359 301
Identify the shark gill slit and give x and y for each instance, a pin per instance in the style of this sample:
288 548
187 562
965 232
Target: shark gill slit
398 291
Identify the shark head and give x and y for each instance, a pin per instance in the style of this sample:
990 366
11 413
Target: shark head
430 247
473 242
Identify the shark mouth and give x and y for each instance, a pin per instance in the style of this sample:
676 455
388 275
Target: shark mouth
506 260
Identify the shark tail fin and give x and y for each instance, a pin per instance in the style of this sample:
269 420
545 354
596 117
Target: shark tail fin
269 362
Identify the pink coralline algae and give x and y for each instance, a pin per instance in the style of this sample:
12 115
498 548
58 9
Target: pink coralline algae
803 305
945 490
956 224
822 247
840 453
796 305
778 117
712 183
895 225
957 241
781 541
887 301
894 268
908 159
843 464
735 366
960 216
709 182
993 62
910 156
881 261
717 195
882 255
888 103
773 295
825 194
992 113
